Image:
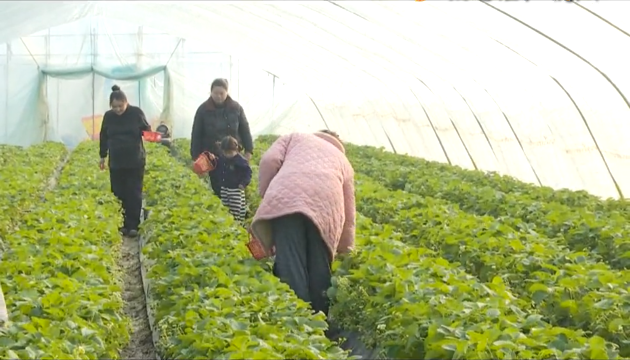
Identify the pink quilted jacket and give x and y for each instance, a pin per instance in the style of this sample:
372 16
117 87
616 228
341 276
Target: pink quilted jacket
308 174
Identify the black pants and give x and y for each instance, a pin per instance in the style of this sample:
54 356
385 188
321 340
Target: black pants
302 259
126 185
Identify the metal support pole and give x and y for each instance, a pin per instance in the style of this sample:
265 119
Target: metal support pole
92 62
46 86
238 78
139 58
273 98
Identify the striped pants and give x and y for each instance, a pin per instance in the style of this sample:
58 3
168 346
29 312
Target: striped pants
234 199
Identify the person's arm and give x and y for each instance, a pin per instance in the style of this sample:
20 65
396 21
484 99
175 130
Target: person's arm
197 135
103 139
244 132
219 164
270 163
144 124
247 173
346 242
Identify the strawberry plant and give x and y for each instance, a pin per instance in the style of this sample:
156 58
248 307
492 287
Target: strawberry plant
431 281
414 304
25 174
503 183
605 233
209 297
60 275
570 289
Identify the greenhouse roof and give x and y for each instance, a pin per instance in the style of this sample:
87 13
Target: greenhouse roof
538 90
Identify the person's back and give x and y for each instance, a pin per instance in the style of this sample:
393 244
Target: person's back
310 181
307 211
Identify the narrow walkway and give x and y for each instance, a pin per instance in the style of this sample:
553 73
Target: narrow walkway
141 342
52 182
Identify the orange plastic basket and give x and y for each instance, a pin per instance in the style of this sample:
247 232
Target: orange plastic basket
257 249
205 163
151 136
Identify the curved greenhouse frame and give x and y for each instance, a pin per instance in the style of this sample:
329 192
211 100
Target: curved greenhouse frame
535 90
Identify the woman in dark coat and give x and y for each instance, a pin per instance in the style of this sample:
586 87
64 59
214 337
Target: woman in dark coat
121 139
216 118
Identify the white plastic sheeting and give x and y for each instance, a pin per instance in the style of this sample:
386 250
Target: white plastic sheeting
531 89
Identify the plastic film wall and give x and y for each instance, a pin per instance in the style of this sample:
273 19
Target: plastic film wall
531 89
58 80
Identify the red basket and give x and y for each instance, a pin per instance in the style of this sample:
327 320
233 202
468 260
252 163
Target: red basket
151 136
205 163
257 249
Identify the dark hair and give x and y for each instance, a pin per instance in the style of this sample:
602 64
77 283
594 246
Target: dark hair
117 94
330 132
219 82
229 143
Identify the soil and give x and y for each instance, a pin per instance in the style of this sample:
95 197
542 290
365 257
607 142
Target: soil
141 342
350 340
52 182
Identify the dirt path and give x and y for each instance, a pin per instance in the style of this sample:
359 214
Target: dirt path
52 182
141 342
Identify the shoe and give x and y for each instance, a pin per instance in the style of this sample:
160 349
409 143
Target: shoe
132 233
123 231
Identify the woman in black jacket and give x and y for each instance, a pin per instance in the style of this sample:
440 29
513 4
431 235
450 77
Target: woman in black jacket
121 137
216 118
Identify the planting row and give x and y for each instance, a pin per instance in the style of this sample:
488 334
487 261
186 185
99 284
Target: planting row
506 184
208 297
568 288
604 233
409 303
412 304
553 282
25 173
59 269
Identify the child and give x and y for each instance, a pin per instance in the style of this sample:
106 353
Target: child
235 174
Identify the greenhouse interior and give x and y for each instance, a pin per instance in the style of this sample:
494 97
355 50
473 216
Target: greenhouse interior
486 138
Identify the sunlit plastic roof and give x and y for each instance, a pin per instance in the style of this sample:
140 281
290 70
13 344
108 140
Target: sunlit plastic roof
537 90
